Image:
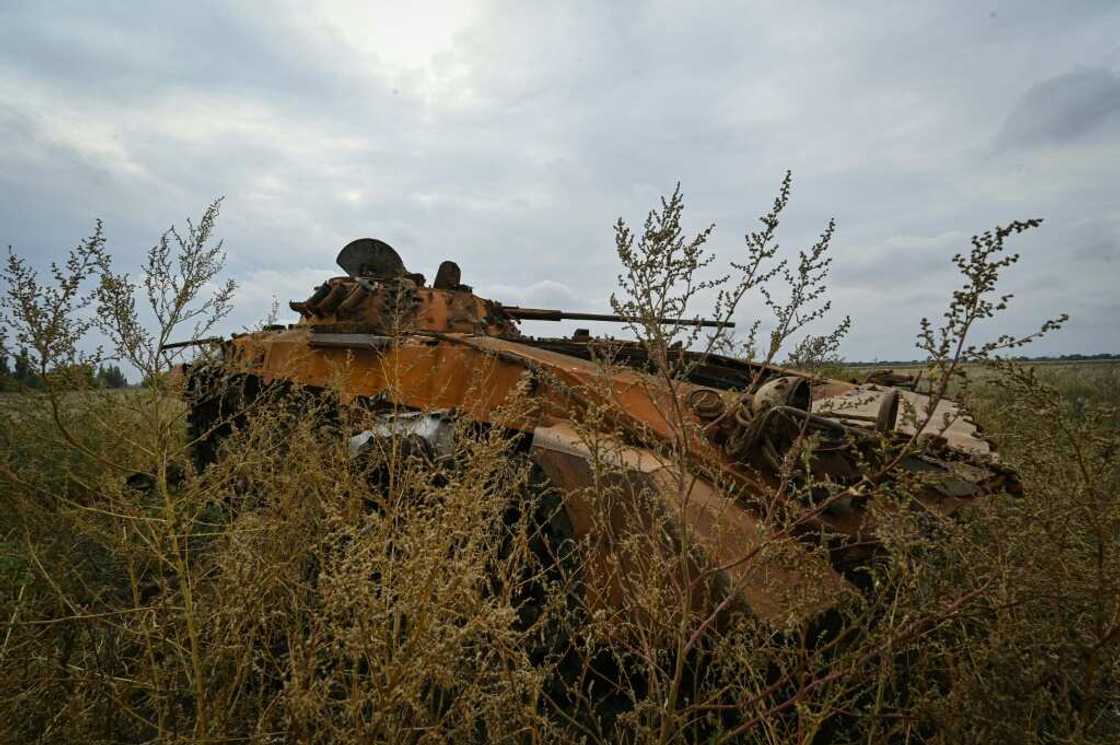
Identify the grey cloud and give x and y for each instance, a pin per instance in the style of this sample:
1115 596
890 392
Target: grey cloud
1097 241
1064 109
515 147
544 294
88 49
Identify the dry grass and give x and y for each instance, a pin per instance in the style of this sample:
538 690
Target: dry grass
291 591
325 607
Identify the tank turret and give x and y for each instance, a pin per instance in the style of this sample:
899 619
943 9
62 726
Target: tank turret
379 295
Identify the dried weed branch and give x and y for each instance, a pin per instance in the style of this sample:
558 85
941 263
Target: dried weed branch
325 575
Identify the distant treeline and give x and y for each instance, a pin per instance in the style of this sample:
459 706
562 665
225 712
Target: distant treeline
1102 357
20 375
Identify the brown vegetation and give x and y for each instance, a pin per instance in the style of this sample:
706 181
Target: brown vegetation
294 591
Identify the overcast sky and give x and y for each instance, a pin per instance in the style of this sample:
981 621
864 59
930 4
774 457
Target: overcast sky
510 136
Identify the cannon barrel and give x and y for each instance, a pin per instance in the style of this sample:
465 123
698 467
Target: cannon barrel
548 314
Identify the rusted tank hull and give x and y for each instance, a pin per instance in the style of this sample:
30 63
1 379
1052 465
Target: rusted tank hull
680 481
615 489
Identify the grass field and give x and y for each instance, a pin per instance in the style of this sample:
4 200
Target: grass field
833 585
168 614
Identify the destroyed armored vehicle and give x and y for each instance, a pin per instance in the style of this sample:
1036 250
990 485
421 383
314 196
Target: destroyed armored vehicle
426 355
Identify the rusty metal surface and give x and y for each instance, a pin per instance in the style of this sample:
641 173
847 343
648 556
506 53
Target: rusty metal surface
777 588
353 305
380 335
